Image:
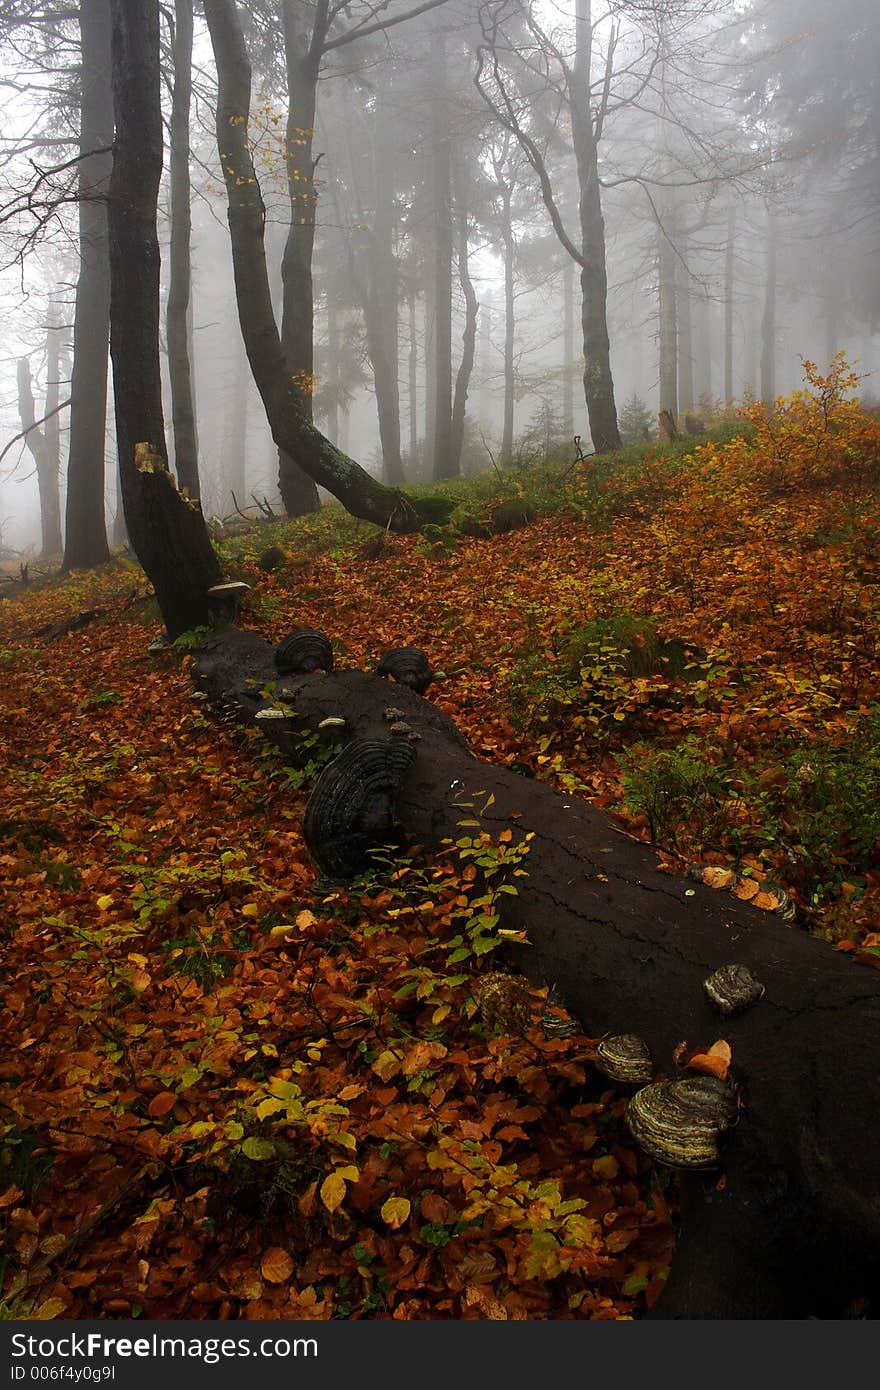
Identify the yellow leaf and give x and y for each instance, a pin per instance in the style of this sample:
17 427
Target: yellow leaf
52 1308
333 1191
395 1211
276 1265
305 919
105 901
333 1187
250 910
606 1167
386 1065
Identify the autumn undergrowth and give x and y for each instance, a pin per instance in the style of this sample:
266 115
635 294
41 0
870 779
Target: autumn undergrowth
227 1096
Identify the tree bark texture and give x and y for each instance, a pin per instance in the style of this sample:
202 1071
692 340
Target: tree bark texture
598 383
183 415
302 58
167 531
293 432
791 1227
85 543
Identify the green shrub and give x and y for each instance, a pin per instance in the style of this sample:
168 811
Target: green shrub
686 799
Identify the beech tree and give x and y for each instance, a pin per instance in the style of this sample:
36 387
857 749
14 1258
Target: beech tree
85 541
166 528
292 430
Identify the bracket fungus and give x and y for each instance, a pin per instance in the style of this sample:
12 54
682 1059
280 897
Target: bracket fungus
351 810
732 988
409 666
625 1057
303 652
679 1123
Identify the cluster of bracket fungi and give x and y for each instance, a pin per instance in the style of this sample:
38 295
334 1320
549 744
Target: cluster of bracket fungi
351 813
679 1123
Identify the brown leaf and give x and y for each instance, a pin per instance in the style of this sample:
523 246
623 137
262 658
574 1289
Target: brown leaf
161 1104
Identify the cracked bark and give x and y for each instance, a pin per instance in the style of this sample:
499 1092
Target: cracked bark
793 1230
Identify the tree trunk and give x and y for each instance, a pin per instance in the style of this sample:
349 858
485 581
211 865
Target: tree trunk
166 530
668 319
598 383
233 453
469 337
381 294
686 398
568 348
298 491
768 319
703 349
413 379
39 443
361 494
792 1227
509 243
183 416
444 464
85 543
728 304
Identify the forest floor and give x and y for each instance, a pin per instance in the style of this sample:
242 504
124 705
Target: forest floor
224 1097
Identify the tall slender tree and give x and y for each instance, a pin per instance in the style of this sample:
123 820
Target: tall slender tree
85 542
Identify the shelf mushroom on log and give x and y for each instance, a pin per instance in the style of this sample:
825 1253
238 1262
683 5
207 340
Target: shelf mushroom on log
789 1225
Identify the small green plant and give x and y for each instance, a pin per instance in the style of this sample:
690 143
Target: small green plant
105 697
684 797
24 1160
192 639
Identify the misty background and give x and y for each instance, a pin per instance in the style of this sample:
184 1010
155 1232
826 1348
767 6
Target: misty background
737 152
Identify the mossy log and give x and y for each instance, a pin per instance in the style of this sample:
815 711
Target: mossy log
790 1226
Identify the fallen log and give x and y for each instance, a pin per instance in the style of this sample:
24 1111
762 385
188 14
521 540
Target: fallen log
790 1227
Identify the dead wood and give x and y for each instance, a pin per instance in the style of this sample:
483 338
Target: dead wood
790 1227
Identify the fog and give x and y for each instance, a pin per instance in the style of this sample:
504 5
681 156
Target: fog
736 147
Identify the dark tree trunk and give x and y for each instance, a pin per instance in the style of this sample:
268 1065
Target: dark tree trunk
167 531
40 444
792 1229
362 495
598 384
444 465
768 318
298 491
85 543
183 416
469 336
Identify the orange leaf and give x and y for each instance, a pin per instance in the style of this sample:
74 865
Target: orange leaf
715 1062
276 1266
